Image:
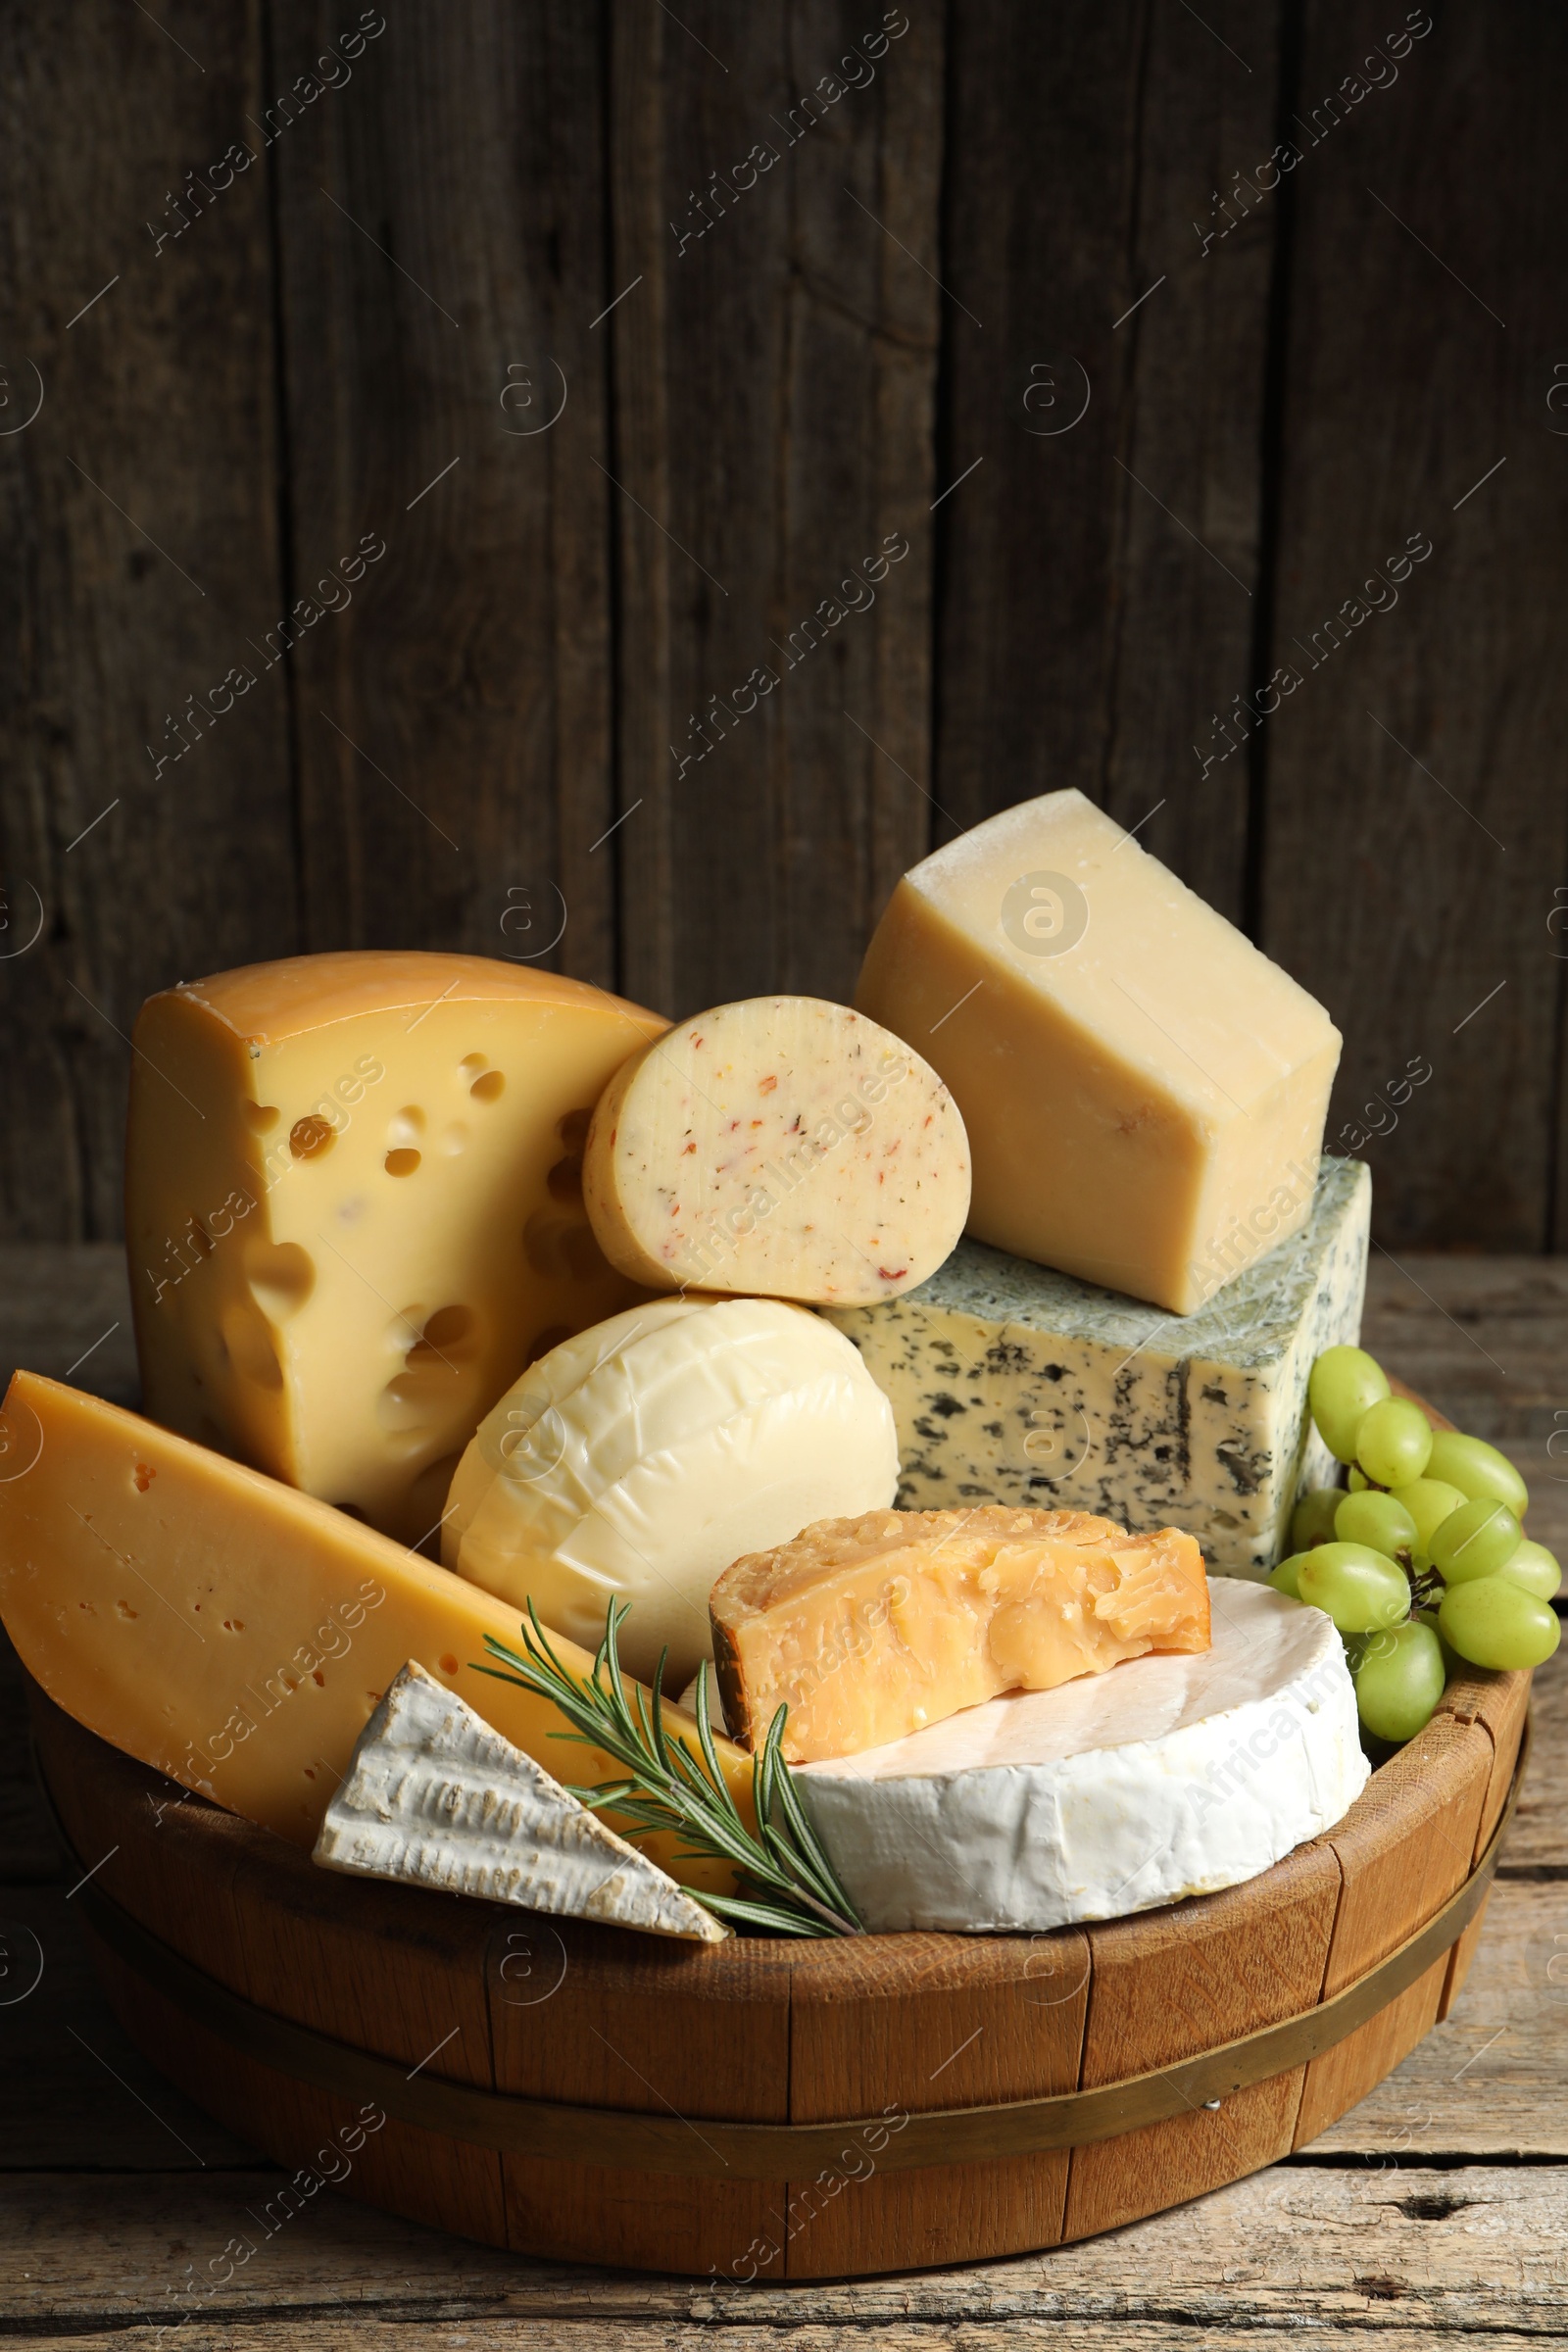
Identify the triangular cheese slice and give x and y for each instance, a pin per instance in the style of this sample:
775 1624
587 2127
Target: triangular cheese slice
436 1798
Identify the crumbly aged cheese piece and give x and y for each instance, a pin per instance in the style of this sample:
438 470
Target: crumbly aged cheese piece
1011 1383
354 1209
230 1631
868 1629
1170 1777
435 1798
1139 1083
644 1456
782 1146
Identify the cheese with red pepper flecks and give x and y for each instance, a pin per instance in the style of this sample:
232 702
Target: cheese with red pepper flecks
782 1146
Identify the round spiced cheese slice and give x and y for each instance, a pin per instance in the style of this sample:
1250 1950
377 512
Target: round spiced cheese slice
1163 1778
781 1148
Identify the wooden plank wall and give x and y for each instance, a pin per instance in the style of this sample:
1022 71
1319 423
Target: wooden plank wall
625 360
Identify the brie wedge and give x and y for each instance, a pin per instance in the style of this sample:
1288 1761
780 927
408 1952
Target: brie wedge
1163 1778
436 1798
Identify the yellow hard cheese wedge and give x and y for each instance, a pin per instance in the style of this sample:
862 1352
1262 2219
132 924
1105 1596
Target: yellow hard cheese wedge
1144 1091
354 1211
232 1632
869 1628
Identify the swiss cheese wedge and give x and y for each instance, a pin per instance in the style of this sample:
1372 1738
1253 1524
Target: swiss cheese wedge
869 1628
234 1634
354 1209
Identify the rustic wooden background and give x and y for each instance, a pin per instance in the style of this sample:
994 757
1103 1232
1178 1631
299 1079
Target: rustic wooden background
889 335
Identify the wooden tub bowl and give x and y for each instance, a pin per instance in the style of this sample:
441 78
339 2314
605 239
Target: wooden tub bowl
769 2109
580 2093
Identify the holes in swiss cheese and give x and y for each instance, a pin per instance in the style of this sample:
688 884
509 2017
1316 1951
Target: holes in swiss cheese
282 1277
489 1088
141 1477
408 1405
572 1129
309 1137
433 1391
448 1663
405 1133
260 1117
445 1332
250 1347
565 1179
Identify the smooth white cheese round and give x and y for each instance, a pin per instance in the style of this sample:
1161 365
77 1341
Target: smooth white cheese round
1161 1778
643 1456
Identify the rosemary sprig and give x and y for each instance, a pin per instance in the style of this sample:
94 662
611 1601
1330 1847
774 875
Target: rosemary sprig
788 1885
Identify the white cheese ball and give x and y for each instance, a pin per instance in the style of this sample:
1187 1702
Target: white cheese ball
640 1458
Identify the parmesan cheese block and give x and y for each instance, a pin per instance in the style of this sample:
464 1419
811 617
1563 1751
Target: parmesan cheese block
232 1632
643 1456
869 1628
354 1209
1013 1384
1166 1778
1141 1088
784 1147
435 1798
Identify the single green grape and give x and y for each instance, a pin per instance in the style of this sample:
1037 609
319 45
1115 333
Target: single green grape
1394 1442
1476 1469
1360 1481
1361 1589
1343 1382
1429 1501
1534 1570
1283 1578
1312 1520
1494 1623
1452 1660
1400 1680
1475 1541
1375 1519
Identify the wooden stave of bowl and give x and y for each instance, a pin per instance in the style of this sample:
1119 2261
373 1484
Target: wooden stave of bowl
773 2030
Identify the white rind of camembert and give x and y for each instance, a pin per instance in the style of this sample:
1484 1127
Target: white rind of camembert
435 1798
1164 1777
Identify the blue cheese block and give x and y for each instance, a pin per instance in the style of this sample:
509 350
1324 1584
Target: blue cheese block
1012 1383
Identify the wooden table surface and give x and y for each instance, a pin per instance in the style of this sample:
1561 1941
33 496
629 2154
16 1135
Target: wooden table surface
1437 2209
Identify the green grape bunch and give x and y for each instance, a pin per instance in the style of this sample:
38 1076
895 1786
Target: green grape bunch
1421 1558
